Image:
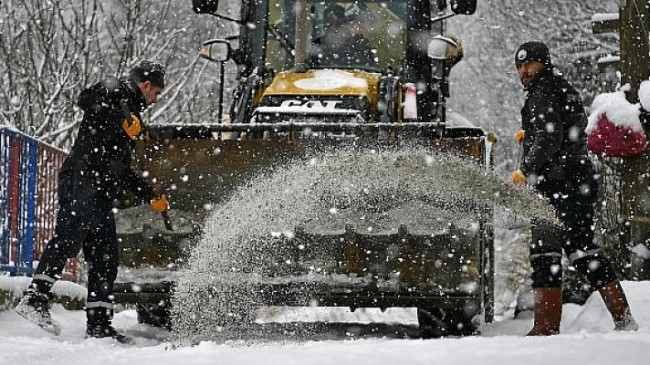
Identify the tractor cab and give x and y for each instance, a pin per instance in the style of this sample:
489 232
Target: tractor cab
352 61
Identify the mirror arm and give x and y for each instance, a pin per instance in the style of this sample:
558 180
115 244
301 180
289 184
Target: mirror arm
238 21
443 17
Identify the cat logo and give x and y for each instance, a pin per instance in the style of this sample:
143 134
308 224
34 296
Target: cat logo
310 104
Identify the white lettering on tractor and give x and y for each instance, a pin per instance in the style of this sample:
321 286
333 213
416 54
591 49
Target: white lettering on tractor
311 104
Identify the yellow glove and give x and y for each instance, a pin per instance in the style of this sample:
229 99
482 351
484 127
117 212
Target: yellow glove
518 178
519 137
160 203
133 127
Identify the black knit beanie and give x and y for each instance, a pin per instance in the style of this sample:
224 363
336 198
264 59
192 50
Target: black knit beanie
533 51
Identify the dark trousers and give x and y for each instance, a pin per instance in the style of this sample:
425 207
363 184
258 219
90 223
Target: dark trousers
573 199
85 221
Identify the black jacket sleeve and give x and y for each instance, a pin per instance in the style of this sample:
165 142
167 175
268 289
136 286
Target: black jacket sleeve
131 181
543 132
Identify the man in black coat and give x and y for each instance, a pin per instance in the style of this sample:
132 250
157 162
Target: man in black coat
555 162
91 179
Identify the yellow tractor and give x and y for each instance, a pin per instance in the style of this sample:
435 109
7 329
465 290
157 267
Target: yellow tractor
315 73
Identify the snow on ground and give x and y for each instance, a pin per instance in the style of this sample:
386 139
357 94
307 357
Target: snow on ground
587 339
19 284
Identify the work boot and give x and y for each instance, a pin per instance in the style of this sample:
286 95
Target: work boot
616 302
105 330
99 323
35 307
548 312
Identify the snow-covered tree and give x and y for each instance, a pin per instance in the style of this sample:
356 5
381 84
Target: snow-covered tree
51 50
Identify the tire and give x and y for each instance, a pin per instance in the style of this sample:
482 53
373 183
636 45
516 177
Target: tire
157 315
437 322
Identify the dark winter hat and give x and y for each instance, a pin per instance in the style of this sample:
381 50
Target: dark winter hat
149 71
533 51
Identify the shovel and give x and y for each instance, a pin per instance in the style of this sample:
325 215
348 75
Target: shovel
167 220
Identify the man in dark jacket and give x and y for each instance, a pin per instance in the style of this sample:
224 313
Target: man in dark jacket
555 162
92 178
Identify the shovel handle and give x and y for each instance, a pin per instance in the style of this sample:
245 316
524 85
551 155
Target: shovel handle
167 220
519 150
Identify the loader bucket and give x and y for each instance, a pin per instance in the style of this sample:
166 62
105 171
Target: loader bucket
200 166
205 166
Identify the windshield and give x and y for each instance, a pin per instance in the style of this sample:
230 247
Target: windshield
367 35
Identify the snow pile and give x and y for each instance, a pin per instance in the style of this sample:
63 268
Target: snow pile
593 316
614 128
618 110
373 190
16 285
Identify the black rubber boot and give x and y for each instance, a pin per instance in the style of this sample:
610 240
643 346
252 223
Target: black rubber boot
106 331
99 326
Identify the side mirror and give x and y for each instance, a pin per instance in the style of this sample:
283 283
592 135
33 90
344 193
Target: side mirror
446 49
216 50
465 7
205 6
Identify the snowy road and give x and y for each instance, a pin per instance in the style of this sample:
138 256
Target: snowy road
586 339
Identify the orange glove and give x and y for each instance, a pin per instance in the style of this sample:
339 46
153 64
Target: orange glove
160 203
133 127
519 137
518 178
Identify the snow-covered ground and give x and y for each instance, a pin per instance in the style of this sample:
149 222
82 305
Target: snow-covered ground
587 339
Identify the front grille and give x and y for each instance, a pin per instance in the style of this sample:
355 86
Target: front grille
336 108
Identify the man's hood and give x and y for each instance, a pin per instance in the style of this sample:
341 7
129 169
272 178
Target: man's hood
111 92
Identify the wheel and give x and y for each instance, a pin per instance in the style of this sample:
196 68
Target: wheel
437 322
157 315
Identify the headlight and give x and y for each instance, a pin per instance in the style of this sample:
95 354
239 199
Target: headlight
447 49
